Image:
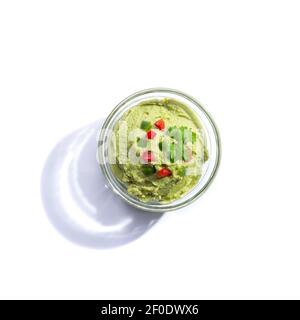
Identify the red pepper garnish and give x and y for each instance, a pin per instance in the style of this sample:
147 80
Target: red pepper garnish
151 134
148 156
164 172
160 124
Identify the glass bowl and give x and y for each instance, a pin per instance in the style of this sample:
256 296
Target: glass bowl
212 139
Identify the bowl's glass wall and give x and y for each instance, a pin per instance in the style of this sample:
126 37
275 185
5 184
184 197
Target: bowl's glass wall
211 134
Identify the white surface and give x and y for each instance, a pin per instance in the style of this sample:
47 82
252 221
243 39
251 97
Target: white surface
64 65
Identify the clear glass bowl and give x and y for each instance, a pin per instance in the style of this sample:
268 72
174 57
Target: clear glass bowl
213 144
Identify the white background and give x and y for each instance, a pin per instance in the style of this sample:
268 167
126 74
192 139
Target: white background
64 65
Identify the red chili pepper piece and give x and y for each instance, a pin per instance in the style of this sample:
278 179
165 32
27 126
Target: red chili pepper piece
148 156
160 124
151 134
164 172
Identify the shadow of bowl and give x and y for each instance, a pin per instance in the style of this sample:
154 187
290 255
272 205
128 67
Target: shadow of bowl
77 201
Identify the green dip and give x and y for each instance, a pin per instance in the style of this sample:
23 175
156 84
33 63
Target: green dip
157 150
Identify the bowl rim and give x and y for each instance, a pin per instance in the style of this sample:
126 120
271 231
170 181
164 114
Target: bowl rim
144 205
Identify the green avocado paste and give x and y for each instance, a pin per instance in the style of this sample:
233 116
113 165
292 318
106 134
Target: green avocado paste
158 150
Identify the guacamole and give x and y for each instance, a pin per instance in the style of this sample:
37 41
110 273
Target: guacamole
157 150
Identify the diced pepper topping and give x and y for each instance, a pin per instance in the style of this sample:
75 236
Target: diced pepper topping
164 172
148 170
160 124
146 125
148 157
151 134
